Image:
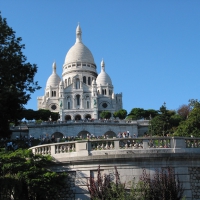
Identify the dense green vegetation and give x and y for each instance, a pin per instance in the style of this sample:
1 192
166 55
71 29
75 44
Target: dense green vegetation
44 115
16 77
25 176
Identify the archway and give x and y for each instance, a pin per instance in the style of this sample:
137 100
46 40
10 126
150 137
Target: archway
110 134
83 134
68 117
56 135
77 117
88 116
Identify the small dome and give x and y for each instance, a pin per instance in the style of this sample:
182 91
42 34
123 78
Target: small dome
54 79
79 52
103 78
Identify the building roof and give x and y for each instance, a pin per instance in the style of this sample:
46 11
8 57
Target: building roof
79 52
103 78
54 79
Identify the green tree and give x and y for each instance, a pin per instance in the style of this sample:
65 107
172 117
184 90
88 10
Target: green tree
136 113
120 113
26 176
105 115
191 126
16 77
164 122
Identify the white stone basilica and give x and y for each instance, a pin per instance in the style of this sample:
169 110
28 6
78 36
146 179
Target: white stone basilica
81 93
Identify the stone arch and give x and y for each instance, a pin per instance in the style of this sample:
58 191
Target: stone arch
77 117
110 134
83 134
68 117
88 116
57 135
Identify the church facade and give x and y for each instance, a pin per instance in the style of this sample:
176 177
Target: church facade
81 93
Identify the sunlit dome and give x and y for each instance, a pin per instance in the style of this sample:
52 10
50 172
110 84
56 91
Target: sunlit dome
54 79
79 52
103 78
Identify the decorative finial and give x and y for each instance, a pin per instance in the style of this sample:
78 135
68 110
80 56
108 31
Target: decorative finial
54 67
102 65
78 33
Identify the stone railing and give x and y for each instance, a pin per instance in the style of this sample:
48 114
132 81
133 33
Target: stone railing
113 121
119 145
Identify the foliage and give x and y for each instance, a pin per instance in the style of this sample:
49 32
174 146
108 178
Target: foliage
16 77
165 122
194 103
184 111
105 115
191 126
25 176
41 114
164 185
103 188
136 113
140 113
120 113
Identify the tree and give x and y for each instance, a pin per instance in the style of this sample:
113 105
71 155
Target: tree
120 113
16 77
191 126
164 122
184 111
105 115
26 176
136 113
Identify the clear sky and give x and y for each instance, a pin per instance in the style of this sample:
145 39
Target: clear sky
151 48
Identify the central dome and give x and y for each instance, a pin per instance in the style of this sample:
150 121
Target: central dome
79 52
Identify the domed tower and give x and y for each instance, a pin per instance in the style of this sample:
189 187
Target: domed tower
106 96
51 97
79 72
79 60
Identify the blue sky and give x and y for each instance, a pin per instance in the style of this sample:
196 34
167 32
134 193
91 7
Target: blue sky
151 48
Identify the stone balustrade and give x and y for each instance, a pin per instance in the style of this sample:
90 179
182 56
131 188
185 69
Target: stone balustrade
112 121
119 146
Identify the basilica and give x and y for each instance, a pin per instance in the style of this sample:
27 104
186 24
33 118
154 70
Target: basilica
81 93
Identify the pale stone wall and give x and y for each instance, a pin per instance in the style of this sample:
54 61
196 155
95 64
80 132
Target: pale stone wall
82 158
73 129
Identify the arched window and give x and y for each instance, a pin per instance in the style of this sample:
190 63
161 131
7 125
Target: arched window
78 100
77 83
66 82
89 81
98 91
84 79
68 105
69 81
105 91
68 102
54 93
88 104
